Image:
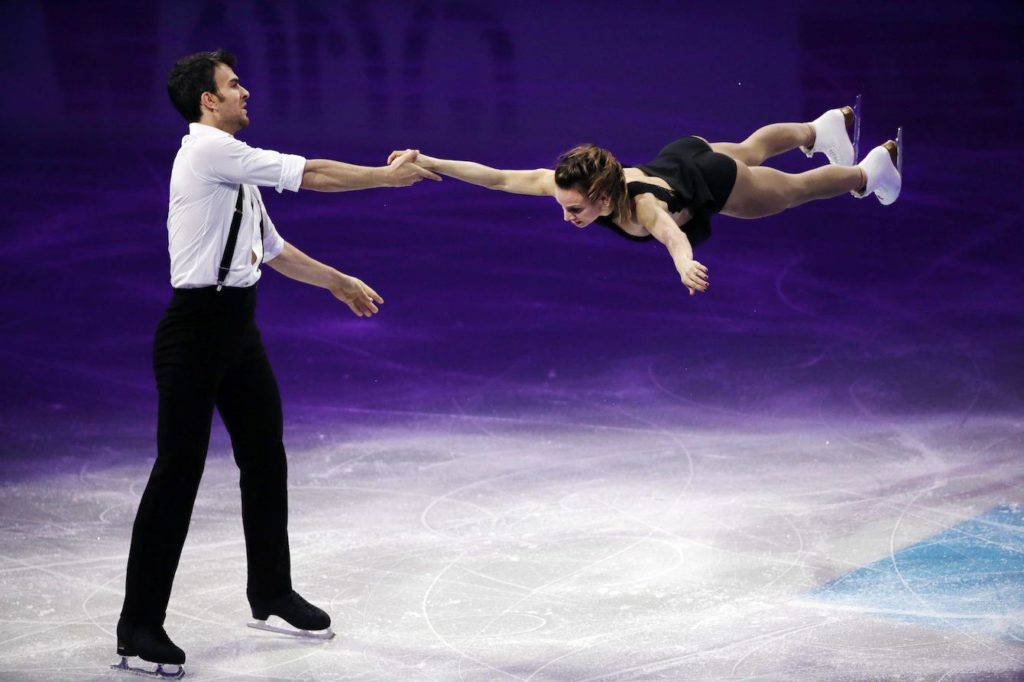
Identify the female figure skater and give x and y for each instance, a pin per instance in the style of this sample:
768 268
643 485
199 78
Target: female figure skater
673 197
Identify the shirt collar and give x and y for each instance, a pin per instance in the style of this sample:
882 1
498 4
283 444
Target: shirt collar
202 129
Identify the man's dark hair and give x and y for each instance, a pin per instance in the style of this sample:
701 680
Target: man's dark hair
191 77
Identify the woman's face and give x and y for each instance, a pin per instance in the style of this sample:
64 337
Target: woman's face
579 210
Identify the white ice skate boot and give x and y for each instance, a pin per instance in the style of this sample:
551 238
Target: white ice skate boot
832 135
883 170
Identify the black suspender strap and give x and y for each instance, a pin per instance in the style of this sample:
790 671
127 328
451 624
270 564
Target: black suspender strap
229 248
263 244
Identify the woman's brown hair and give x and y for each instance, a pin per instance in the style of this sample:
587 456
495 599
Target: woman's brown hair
595 172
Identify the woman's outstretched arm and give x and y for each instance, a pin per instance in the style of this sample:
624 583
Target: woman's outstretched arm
539 182
662 227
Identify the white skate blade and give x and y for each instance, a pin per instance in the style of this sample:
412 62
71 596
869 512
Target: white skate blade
152 670
285 629
856 129
899 151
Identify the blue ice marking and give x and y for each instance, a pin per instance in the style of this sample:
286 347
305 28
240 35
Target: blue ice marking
970 576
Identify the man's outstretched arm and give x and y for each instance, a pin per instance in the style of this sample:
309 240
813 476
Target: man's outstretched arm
351 291
324 175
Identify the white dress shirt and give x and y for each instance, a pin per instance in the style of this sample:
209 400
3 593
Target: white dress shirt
204 187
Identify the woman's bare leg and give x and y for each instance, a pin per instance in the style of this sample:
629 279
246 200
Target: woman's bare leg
766 142
761 192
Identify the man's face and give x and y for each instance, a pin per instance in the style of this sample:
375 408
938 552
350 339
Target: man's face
229 108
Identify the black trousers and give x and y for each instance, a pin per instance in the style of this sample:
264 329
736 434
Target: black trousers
208 354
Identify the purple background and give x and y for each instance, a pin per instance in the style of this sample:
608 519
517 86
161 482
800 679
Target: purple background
837 311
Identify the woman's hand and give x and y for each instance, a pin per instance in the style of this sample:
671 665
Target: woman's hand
694 275
356 294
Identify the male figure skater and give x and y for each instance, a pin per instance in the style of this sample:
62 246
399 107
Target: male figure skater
207 353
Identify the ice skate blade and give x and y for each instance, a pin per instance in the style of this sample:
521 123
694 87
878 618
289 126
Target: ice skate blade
899 151
158 672
289 630
856 129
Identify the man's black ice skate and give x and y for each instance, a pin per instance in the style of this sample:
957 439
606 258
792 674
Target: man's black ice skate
305 619
160 657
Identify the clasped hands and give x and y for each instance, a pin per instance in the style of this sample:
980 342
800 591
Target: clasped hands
403 169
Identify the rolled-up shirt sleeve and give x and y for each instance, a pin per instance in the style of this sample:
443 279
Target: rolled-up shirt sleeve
226 159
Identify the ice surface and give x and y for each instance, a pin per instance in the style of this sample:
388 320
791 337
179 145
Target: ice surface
505 549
